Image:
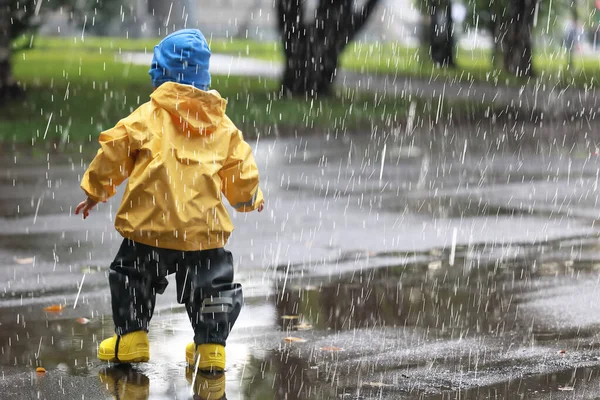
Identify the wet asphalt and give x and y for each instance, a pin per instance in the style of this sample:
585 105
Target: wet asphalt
451 262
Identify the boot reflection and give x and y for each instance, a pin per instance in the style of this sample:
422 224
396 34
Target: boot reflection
124 382
208 385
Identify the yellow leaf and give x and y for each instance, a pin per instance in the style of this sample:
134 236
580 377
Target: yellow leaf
291 339
303 327
40 370
54 308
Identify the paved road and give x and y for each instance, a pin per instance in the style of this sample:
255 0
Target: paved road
453 263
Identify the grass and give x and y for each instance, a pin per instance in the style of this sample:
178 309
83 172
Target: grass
375 58
75 89
243 47
73 95
473 66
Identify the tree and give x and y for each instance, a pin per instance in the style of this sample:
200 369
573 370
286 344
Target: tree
439 35
312 49
511 25
244 25
441 32
491 16
518 54
20 17
10 18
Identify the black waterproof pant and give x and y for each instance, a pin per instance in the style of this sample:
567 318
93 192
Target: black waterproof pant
204 284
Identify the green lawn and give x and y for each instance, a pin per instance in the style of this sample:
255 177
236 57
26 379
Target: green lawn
375 58
472 66
73 95
251 48
76 88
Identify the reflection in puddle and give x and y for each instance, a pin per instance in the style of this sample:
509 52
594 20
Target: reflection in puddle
572 383
447 301
207 386
124 382
479 294
282 375
435 316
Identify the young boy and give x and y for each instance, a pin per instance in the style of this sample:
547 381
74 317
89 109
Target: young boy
179 152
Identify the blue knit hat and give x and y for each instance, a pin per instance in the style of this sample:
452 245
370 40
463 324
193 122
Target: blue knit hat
182 57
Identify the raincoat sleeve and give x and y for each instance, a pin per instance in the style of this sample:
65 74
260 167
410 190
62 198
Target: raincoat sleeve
113 162
239 176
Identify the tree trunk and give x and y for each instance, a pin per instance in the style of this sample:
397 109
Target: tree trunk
8 86
312 50
441 33
495 30
517 41
244 27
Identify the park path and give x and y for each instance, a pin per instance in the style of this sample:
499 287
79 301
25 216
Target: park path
534 98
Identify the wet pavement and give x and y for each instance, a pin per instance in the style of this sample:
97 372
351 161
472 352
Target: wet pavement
457 262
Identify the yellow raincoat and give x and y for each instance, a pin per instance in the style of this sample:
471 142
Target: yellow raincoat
180 152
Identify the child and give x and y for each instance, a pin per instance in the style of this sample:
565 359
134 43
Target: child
180 152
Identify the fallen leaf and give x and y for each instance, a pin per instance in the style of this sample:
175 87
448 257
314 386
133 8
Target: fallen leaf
303 327
82 321
566 388
292 339
54 308
40 370
23 261
331 348
289 317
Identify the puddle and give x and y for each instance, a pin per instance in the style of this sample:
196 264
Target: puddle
352 258
581 382
443 313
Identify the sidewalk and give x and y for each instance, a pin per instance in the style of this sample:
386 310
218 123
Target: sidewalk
222 64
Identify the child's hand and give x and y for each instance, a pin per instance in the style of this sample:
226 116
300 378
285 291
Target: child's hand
85 207
261 207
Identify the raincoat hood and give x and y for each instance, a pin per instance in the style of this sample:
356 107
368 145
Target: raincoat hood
200 112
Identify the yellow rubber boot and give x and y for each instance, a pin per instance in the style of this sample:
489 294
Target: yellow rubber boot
133 348
208 386
212 356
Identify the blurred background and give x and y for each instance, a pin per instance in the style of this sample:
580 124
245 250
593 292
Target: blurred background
403 21
496 45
